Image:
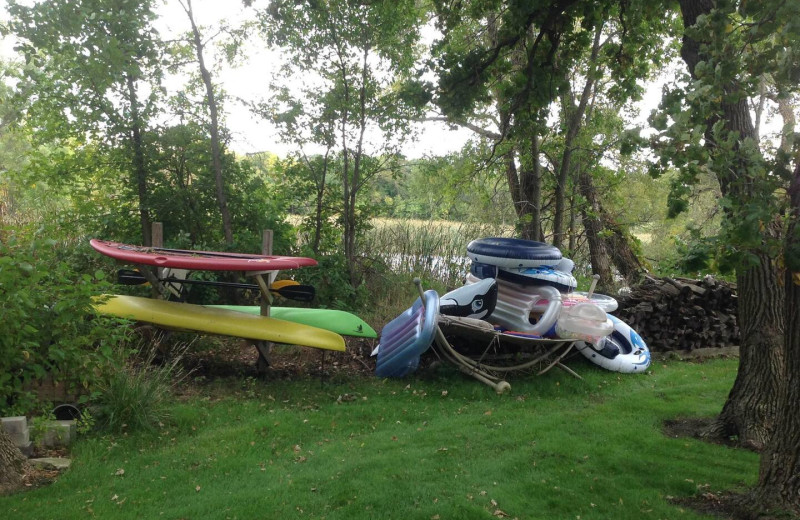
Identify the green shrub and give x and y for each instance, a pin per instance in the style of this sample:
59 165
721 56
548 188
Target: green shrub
331 279
49 327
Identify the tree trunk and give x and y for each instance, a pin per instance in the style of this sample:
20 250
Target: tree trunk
12 464
574 120
618 245
216 146
139 170
319 204
526 193
598 255
751 409
778 485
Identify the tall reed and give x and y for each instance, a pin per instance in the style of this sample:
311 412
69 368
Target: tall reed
434 250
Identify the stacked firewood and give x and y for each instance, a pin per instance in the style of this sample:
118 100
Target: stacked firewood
682 314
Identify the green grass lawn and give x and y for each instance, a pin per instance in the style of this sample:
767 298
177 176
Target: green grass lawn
434 446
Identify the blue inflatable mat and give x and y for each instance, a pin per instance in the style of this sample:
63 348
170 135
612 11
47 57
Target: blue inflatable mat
406 337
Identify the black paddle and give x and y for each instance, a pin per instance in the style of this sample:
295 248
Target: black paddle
302 293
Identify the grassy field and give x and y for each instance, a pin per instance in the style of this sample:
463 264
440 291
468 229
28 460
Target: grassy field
434 446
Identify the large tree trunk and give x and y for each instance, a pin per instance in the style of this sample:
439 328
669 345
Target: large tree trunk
779 476
751 409
12 464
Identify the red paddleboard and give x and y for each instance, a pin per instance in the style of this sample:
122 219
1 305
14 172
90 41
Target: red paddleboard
204 260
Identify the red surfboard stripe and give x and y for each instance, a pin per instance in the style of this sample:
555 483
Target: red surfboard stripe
201 260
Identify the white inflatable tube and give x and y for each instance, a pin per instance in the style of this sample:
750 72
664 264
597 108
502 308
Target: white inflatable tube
586 322
607 303
633 357
514 305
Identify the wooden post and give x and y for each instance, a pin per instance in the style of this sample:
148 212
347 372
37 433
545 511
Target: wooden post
264 347
266 242
157 240
157 231
266 250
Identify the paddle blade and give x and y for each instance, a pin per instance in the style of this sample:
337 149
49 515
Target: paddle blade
277 284
130 277
300 293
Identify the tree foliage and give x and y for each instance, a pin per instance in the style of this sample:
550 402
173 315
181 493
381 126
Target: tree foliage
359 60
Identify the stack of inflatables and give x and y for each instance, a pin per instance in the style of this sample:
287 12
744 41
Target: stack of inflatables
523 288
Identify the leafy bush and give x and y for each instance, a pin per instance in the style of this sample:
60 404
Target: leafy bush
49 328
331 278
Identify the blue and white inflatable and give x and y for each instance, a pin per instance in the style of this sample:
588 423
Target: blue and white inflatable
512 252
624 350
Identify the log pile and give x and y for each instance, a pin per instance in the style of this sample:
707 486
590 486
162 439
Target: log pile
682 314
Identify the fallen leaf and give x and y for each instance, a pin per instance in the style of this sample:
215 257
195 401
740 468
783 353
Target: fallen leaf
119 472
114 497
197 488
444 393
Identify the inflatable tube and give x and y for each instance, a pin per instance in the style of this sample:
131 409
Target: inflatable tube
476 300
607 303
406 337
514 304
541 275
586 322
565 266
634 355
483 271
512 252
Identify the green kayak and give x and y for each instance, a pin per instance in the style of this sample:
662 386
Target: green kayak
340 322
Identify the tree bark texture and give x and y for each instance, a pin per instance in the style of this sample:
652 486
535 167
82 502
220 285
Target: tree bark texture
12 464
594 226
779 475
751 409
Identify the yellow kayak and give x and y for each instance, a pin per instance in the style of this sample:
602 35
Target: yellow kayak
187 316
